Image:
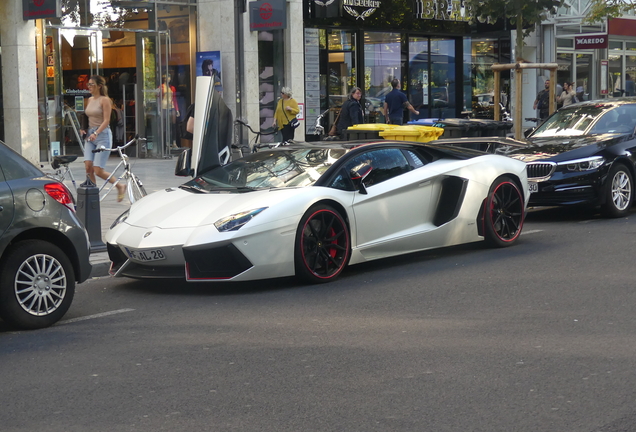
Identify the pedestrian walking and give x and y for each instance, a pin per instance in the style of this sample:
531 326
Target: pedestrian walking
394 105
542 102
350 112
98 111
568 96
285 115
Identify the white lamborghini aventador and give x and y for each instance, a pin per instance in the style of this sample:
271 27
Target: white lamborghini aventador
311 209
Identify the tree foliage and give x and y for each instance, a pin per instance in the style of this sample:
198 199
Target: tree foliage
79 13
599 10
523 14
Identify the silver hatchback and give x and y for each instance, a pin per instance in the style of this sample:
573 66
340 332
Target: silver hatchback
44 248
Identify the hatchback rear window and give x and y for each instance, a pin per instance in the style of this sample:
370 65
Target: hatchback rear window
15 166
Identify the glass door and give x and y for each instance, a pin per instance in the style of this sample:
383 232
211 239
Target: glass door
154 113
339 75
419 75
442 79
70 57
382 63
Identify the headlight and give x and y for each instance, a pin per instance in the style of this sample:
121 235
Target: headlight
236 221
585 164
122 217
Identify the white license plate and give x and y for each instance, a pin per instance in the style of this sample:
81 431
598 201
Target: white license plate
533 187
146 254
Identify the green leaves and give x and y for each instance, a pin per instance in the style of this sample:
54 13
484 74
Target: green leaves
602 9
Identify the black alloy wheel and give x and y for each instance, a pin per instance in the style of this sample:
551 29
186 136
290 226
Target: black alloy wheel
503 213
322 245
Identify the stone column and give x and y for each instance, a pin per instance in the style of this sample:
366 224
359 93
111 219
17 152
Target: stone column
19 81
216 33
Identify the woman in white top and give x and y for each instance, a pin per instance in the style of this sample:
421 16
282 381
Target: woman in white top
568 95
98 111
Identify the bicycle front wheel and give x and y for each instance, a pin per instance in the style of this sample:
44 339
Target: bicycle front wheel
136 190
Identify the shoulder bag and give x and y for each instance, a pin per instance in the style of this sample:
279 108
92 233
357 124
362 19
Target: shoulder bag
294 122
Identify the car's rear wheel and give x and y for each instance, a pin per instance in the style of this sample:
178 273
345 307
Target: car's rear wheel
619 191
37 284
503 213
322 245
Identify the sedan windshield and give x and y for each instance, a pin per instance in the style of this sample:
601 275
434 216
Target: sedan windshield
588 120
269 169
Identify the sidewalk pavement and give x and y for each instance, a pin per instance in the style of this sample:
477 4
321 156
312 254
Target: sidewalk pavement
155 174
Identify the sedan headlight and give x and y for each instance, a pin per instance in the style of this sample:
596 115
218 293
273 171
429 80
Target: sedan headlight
122 217
236 221
585 164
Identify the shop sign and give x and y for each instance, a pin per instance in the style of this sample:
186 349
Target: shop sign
268 15
360 9
604 74
36 9
590 41
443 10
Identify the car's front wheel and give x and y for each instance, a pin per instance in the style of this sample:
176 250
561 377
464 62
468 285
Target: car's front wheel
619 191
37 284
323 245
503 213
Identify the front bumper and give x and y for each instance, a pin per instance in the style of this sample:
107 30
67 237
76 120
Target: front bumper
202 253
570 188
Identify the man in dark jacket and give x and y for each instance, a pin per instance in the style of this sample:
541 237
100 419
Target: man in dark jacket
350 112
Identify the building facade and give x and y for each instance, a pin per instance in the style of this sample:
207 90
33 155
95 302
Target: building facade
151 50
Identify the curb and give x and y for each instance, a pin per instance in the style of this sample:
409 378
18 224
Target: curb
100 263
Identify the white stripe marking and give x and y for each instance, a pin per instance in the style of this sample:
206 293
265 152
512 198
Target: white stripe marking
99 315
530 232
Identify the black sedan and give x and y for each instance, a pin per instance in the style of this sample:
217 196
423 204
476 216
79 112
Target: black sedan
44 248
584 155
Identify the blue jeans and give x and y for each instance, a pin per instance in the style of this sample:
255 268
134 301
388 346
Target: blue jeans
105 138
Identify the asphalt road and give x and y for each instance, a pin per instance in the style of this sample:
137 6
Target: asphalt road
537 337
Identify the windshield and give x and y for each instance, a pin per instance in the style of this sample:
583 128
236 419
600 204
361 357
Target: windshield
588 120
269 169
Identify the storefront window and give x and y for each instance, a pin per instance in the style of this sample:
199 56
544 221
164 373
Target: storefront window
565 70
418 75
341 66
271 77
615 75
144 56
442 80
630 74
382 55
583 76
483 56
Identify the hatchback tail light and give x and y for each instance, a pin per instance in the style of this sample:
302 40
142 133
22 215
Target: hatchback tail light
61 194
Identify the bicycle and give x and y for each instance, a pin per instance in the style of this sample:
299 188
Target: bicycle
62 171
134 187
255 144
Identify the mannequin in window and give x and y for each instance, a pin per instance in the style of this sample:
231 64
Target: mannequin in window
170 109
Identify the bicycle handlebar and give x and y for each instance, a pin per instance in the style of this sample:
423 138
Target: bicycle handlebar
244 123
129 143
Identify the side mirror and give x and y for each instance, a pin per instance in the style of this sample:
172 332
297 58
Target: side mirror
184 164
358 174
